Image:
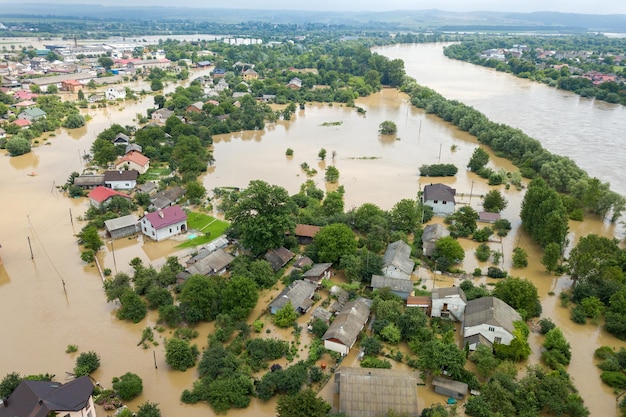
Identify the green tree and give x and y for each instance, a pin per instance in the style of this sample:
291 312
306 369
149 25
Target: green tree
391 334
132 308
128 386
557 350
262 216
449 250
81 95
239 297
156 85
521 294
333 242
479 159
551 256
286 316
520 258
106 62
103 151
518 349
86 363
486 362
74 121
89 238
148 409
388 128
9 383
17 145
302 404
332 174
405 215
200 298
195 191
180 354
494 201
116 286
159 101
322 154
543 214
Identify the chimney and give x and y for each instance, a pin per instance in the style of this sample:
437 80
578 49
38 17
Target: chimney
161 215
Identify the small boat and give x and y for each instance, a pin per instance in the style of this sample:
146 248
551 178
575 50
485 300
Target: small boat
31 174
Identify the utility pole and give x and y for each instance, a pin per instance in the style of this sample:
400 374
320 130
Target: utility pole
471 191
31 248
113 252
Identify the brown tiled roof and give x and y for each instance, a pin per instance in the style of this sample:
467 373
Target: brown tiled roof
306 230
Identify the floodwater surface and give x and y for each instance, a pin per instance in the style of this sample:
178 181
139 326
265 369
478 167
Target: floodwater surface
54 299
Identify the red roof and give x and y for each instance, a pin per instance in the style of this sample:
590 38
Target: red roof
136 157
167 216
24 95
101 194
22 122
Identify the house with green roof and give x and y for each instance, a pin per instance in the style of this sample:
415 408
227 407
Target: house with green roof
32 114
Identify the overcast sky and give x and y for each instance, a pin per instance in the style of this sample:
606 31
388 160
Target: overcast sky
568 6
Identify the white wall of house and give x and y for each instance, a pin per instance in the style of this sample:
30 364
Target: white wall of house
113 93
164 232
88 411
122 185
336 347
455 305
489 332
132 165
441 207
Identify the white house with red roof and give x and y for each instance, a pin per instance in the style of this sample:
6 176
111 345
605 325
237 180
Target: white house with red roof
164 223
134 160
101 196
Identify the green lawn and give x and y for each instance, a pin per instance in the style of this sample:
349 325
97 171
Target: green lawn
210 228
154 174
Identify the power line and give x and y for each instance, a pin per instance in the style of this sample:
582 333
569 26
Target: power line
32 229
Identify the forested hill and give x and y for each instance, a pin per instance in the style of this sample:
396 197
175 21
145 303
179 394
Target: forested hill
393 20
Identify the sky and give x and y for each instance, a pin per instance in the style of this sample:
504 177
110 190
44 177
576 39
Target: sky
566 6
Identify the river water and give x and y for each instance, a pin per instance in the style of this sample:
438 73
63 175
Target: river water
54 299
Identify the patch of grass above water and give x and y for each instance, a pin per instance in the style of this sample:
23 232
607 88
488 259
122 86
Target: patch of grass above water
210 227
326 124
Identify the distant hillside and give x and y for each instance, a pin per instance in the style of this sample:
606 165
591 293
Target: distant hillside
398 20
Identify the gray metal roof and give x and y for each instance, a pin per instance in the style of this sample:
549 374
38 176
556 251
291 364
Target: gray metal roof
398 254
89 180
120 222
450 384
490 310
368 392
439 192
299 293
349 322
212 263
434 232
317 270
395 284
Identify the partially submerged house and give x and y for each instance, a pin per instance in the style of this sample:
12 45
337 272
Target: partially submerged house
161 224
134 160
448 303
344 330
32 115
488 320
299 293
441 198
305 233
121 139
123 226
450 388
166 198
317 273
124 179
399 286
215 263
369 392
89 182
279 257
49 398
101 196
431 234
397 261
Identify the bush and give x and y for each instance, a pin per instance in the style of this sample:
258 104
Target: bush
578 315
615 380
128 386
520 258
546 325
289 152
17 145
438 170
482 235
371 362
86 363
493 272
483 252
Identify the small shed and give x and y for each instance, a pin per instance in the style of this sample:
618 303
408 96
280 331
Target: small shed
279 257
488 217
450 387
89 182
317 273
122 226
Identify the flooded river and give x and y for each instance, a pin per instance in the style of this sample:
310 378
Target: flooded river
54 300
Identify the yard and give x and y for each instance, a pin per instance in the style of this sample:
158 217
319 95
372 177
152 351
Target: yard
209 228
156 173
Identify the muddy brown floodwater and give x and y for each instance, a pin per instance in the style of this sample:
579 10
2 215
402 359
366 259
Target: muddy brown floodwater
54 299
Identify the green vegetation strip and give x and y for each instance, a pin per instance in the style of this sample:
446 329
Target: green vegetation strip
211 228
